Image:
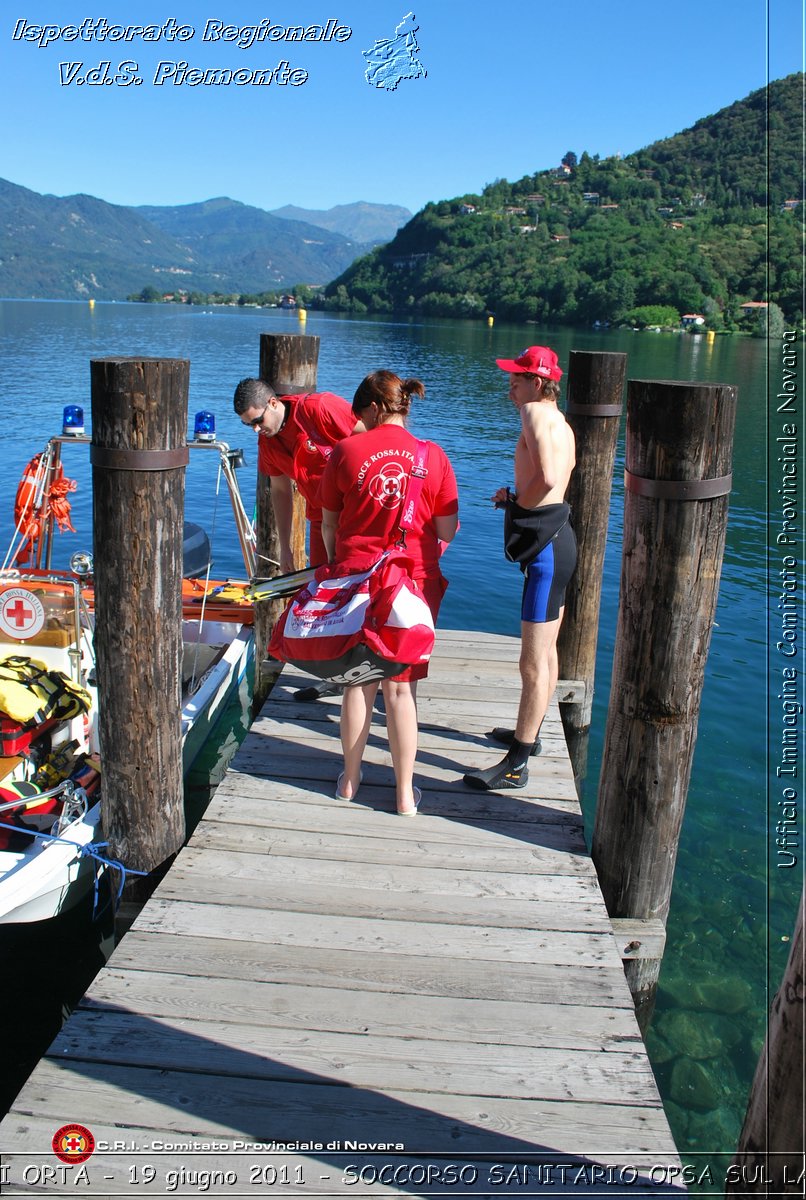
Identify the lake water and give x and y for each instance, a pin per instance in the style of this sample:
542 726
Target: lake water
732 909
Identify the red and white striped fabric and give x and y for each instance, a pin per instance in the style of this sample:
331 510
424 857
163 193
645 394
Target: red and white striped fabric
356 628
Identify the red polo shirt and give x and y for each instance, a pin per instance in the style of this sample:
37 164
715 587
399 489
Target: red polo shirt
317 421
366 480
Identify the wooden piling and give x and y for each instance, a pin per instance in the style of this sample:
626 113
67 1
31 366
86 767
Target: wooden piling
288 363
679 447
769 1158
593 410
138 454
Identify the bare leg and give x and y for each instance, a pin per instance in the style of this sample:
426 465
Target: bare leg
401 723
539 671
356 718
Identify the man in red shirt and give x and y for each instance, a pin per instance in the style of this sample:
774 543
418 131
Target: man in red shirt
296 436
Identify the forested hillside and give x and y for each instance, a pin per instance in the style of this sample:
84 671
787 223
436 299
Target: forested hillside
698 223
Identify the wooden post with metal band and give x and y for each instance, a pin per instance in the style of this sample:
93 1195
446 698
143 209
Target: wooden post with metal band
593 410
138 454
678 454
288 363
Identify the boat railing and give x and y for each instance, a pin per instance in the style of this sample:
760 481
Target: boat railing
229 459
74 796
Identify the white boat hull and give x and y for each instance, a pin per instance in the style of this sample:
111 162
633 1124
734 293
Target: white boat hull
52 877
48 615
214 693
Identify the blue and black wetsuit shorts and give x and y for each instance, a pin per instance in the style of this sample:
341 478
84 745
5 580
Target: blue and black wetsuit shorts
547 576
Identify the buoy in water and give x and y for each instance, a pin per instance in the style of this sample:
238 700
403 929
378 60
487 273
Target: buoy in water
302 314
491 320
92 304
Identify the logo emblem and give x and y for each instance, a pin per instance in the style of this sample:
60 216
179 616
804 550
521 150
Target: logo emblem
388 487
73 1144
21 613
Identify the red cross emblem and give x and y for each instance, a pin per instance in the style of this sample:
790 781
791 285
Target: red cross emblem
21 613
73 1144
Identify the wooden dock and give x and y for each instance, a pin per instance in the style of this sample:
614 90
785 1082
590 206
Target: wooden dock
315 984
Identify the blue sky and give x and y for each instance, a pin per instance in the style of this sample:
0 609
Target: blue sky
510 88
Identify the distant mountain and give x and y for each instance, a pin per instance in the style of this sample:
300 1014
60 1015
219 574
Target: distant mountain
362 222
64 247
260 251
701 223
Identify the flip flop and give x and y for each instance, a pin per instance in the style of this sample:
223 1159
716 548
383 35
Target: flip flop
347 799
412 812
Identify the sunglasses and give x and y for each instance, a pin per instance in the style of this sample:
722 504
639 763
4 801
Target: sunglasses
257 422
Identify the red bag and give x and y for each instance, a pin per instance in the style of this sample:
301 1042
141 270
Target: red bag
16 737
356 628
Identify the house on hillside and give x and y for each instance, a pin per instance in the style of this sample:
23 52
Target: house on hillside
751 306
692 320
467 208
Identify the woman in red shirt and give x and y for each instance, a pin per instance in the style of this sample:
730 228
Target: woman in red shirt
361 495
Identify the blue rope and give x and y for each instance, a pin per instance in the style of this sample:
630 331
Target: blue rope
91 850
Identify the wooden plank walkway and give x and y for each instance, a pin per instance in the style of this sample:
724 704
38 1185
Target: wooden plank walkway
329 979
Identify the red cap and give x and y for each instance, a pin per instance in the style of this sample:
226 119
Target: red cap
535 360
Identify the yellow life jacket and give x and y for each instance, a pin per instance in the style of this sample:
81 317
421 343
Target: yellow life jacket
31 694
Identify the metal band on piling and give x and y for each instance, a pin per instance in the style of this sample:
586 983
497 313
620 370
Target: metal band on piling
139 460
678 489
593 410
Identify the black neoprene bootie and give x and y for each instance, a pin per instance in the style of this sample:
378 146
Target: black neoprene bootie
512 771
505 737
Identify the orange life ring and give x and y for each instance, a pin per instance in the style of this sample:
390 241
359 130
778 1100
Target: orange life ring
27 515
30 518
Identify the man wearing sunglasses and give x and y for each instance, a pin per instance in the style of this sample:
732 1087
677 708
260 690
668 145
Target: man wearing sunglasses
296 434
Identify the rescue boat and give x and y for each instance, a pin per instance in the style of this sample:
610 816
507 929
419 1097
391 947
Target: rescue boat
51 766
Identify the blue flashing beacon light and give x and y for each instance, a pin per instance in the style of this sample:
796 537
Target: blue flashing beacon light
72 421
204 428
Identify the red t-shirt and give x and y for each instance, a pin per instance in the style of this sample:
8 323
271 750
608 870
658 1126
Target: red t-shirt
294 453
365 482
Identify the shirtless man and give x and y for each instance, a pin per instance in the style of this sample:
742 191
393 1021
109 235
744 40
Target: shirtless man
544 459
